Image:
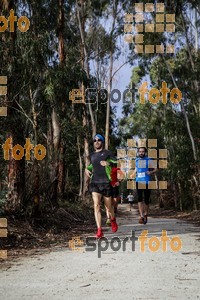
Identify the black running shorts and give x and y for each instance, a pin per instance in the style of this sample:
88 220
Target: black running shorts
104 189
144 191
115 191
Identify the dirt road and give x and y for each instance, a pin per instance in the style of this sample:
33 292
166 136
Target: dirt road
73 274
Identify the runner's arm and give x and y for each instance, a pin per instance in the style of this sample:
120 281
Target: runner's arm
90 167
152 170
88 170
120 175
133 175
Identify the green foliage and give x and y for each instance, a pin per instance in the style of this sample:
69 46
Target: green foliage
39 82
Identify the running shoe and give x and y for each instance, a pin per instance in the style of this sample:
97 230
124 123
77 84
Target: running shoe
145 219
141 220
108 223
99 233
114 225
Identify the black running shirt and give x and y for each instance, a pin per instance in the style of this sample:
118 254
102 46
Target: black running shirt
99 171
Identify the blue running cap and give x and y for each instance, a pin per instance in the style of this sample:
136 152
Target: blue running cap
99 136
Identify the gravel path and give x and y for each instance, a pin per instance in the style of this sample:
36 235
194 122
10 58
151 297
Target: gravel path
73 274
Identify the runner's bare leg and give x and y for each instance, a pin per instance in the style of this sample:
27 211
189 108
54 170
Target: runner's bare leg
115 202
107 213
97 205
108 204
140 207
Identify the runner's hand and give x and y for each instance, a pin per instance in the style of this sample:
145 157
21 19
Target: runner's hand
104 163
148 173
88 173
116 183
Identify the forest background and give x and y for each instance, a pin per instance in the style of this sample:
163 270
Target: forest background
80 45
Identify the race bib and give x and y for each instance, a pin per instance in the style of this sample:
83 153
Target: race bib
141 174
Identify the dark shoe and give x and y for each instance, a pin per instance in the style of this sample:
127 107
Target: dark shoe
99 233
141 220
145 219
114 225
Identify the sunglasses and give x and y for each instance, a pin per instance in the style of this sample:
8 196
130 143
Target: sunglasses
97 141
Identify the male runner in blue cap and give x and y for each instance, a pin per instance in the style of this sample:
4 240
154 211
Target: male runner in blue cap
99 171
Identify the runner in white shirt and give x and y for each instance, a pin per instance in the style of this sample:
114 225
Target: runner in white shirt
130 200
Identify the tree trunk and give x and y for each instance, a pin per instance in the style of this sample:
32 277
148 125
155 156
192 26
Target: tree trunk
16 168
80 168
55 140
114 14
61 49
185 115
84 54
36 185
57 164
175 195
61 171
196 187
180 203
16 183
85 66
194 83
85 156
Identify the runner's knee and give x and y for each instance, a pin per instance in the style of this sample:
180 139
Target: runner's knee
96 207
